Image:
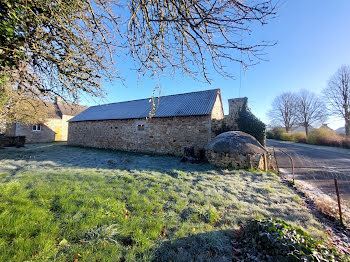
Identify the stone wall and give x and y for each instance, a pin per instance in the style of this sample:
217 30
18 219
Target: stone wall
10 130
235 106
230 121
45 135
52 130
6 141
221 159
247 161
64 126
217 112
239 118
217 116
168 135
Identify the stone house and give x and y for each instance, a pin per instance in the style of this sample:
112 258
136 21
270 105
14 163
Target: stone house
183 120
54 128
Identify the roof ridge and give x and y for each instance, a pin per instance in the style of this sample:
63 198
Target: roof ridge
215 89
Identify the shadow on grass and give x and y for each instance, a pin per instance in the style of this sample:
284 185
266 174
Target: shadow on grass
211 246
111 186
60 155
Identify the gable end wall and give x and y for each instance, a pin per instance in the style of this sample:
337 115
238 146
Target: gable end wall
47 133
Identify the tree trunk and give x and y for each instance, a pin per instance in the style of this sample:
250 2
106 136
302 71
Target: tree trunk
347 127
306 129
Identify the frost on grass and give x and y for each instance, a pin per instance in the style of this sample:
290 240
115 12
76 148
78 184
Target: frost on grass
133 209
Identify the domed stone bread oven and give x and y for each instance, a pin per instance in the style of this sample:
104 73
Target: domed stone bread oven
238 150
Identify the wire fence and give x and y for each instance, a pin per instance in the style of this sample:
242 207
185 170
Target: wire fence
325 180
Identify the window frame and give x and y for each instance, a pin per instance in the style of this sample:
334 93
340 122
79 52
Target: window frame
36 128
140 127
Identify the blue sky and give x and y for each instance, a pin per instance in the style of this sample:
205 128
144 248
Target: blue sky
313 41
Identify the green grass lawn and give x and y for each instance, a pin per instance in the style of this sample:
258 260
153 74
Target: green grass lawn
60 203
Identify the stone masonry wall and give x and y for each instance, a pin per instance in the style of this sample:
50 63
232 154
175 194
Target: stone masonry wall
217 116
10 130
235 106
228 122
217 112
239 118
255 161
168 135
64 124
47 133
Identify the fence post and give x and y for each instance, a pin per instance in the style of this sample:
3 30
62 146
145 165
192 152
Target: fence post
292 162
291 159
274 155
338 198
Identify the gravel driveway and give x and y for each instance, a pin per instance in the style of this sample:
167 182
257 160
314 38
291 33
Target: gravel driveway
316 166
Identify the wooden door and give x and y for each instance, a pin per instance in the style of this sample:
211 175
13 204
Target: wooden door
58 133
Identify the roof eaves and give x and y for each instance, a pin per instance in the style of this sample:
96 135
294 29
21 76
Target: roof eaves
129 118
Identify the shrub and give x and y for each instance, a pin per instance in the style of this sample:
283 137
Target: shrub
269 134
275 133
323 136
346 143
275 240
286 136
320 136
299 137
250 124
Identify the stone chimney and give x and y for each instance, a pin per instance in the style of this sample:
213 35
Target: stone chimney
58 99
236 105
58 104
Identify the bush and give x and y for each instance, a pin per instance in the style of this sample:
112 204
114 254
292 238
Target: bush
269 134
280 134
326 137
275 240
286 136
275 133
250 124
320 136
299 137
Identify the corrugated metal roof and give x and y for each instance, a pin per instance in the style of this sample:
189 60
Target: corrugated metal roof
188 104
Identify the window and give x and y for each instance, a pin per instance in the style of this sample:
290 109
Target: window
140 127
36 128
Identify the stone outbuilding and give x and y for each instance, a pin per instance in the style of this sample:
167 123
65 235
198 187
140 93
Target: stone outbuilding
53 128
165 125
238 150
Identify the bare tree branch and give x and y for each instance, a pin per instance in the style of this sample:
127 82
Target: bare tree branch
188 34
284 111
310 110
338 95
67 48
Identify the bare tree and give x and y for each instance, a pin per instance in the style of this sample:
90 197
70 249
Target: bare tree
284 111
193 35
67 48
338 95
311 110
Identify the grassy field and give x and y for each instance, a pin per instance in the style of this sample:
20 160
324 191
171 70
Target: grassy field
60 203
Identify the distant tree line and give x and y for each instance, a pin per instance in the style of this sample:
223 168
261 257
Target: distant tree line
337 94
305 108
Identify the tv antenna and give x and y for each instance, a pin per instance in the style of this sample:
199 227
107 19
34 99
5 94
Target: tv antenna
240 68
